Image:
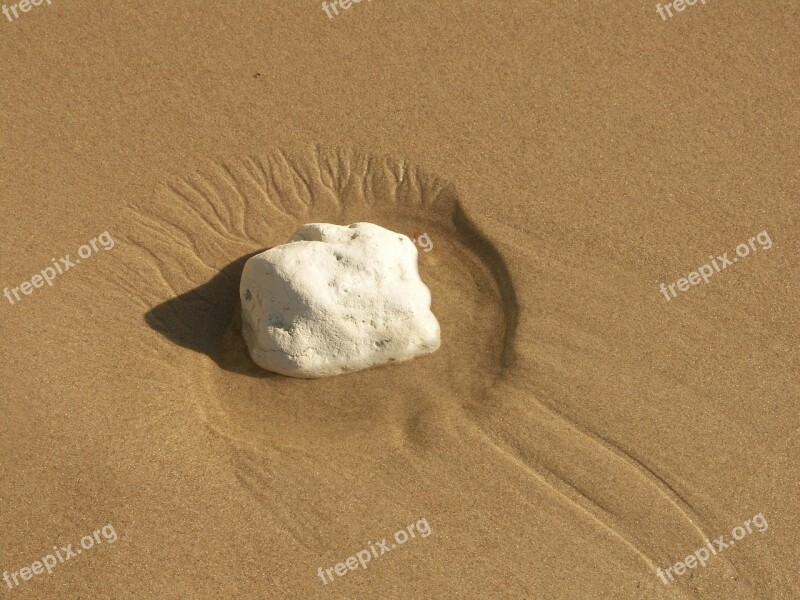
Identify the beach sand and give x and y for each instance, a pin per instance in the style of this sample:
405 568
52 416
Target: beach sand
576 432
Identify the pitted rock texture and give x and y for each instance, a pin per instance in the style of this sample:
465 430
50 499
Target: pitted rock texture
336 299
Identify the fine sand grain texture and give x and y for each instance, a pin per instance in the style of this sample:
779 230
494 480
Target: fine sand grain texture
578 433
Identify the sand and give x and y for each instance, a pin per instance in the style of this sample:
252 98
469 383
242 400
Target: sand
576 432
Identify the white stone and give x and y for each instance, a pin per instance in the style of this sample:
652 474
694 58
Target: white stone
336 299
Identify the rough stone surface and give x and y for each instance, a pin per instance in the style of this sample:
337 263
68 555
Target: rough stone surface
336 299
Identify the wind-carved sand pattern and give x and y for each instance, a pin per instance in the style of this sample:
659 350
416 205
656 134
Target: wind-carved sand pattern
473 399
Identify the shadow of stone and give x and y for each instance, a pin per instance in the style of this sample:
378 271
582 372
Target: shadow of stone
207 320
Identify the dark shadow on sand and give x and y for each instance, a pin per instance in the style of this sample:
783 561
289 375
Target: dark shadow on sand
207 320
